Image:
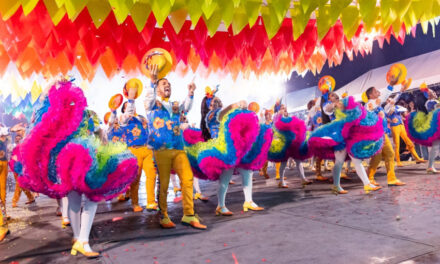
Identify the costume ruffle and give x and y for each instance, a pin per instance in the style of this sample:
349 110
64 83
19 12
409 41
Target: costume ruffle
423 128
238 132
257 156
289 139
359 131
58 157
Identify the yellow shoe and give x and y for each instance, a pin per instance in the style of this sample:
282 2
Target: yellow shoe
176 190
345 176
201 197
399 164
369 188
277 177
14 205
79 247
251 206
421 161
165 222
122 198
335 190
306 182
64 224
223 211
280 185
374 182
137 209
193 221
396 183
321 178
431 171
152 207
3 235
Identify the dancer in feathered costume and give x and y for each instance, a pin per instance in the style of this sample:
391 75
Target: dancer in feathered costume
217 158
374 104
289 141
423 126
266 119
398 129
60 157
355 132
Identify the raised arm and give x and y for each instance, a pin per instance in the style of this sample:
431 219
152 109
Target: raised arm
187 103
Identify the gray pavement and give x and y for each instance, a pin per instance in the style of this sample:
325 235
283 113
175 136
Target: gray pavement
310 225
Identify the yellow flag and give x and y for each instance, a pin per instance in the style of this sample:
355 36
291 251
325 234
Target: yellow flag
56 13
252 8
74 7
140 13
161 9
8 8
35 91
350 21
28 6
194 10
239 20
98 11
178 18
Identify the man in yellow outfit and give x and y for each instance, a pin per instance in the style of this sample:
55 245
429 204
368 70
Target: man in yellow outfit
4 147
374 104
398 131
18 189
166 140
135 134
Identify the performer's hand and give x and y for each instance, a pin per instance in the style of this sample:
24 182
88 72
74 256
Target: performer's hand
191 89
153 73
132 93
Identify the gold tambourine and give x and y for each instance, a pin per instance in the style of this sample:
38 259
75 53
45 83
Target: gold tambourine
160 57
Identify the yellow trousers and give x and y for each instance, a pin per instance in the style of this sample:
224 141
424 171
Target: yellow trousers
400 132
3 177
387 154
277 170
3 224
145 162
18 191
178 161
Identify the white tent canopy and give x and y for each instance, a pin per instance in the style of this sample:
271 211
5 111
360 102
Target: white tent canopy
422 68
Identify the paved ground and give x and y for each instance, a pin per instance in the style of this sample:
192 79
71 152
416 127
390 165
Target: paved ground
394 225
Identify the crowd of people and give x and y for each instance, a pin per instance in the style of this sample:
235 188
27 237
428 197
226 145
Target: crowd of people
81 162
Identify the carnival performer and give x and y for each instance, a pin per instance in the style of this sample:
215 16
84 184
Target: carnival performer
65 154
236 130
18 190
165 139
374 104
266 118
135 135
289 141
394 117
354 132
422 126
5 142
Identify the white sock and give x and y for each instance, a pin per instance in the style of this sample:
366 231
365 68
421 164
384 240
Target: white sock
74 212
246 176
196 185
300 169
433 153
282 170
360 170
64 208
87 216
223 185
174 181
